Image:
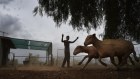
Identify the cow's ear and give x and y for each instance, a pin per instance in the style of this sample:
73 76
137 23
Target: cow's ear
94 35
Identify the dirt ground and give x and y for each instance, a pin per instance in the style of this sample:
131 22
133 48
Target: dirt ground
43 72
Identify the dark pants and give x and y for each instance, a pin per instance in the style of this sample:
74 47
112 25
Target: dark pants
66 59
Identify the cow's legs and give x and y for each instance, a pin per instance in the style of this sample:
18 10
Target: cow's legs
102 62
131 60
89 59
113 61
82 60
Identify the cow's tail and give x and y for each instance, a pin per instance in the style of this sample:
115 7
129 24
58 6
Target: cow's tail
135 56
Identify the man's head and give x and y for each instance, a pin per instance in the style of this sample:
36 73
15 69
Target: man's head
67 37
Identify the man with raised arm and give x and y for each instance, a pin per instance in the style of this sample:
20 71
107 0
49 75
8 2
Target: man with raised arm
67 50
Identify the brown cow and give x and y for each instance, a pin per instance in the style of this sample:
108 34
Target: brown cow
90 50
111 48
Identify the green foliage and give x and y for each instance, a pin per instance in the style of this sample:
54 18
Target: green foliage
81 12
122 19
122 16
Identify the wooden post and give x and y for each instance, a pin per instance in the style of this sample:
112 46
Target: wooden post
1 52
73 60
57 58
47 57
30 62
13 62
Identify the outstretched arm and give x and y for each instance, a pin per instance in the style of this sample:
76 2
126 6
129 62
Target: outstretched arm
62 38
74 40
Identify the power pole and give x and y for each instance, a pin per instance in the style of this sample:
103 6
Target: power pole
3 33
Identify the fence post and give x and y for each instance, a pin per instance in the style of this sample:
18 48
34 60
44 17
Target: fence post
1 51
57 58
73 60
13 59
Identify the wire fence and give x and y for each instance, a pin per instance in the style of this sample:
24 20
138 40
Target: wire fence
76 59
29 60
57 60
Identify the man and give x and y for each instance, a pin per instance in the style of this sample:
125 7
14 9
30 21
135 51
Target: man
67 50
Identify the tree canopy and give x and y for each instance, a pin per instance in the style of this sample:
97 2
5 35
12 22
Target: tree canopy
122 17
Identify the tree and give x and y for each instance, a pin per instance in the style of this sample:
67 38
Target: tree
122 17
